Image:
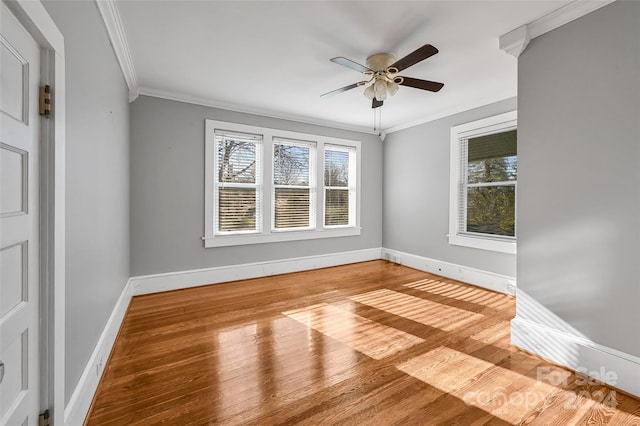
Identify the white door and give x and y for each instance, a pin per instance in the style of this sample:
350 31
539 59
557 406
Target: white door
19 223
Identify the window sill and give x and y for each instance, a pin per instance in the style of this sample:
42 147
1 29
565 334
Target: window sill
238 240
508 247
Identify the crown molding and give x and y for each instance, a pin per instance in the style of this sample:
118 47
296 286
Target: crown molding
564 15
449 112
514 42
196 100
115 30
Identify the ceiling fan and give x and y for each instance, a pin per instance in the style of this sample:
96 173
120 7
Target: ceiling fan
382 70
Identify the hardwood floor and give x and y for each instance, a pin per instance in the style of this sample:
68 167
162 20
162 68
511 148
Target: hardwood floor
366 344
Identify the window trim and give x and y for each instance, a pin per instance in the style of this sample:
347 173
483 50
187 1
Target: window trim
268 234
489 125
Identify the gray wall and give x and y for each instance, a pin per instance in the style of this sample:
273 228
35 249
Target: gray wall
416 193
579 177
167 191
97 186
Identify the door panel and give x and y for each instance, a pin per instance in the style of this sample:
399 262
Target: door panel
14 173
15 75
14 264
19 223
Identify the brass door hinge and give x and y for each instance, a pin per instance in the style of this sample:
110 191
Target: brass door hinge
45 100
43 419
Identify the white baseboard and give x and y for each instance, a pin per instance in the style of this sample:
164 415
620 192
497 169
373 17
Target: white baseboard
146 284
579 353
490 280
80 401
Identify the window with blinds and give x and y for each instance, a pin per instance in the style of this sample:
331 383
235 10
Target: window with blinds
265 185
293 184
483 183
339 165
237 182
488 185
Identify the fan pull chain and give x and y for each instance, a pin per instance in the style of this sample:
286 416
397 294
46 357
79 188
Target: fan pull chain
377 120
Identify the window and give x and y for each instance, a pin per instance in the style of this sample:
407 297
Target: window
262 185
489 184
237 182
293 185
483 184
339 163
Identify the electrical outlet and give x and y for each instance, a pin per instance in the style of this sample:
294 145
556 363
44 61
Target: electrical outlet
99 365
511 289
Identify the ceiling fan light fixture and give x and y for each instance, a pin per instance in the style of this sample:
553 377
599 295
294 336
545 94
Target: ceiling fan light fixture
380 87
392 88
369 92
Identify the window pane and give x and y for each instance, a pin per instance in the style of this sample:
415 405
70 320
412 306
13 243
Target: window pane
291 165
291 207
336 211
236 161
237 209
491 210
336 168
493 170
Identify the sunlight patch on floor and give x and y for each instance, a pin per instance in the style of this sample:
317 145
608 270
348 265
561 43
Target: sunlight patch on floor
443 317
501 392
368 337
462 292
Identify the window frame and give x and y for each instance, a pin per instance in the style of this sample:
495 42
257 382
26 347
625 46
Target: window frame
490 125
312 186
258 184
350 188
271 136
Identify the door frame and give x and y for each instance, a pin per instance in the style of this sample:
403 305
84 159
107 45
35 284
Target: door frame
34 17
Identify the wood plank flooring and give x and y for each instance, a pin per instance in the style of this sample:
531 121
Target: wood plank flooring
372 343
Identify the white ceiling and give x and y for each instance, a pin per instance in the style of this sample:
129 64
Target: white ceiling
272 57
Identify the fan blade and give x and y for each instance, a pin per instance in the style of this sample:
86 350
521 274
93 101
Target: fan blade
432 86
414 57
343 89
376 103
350 64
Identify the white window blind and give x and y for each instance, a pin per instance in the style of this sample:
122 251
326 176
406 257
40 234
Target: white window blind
237 182
293 184
339 176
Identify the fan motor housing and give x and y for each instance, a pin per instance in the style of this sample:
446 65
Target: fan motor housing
380 61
